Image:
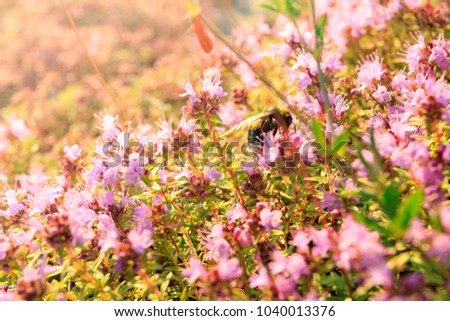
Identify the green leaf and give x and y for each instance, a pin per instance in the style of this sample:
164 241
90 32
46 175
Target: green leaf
291 8
390 200
409 209
319 27
318 133
268 7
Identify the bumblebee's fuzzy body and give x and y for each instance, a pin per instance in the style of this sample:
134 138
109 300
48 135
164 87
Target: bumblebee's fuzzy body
271 120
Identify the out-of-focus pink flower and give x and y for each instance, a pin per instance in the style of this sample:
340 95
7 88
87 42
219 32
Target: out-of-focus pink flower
185 172
445 218
261 279
165 133
230 115
109 235
18 128
362 250
301 241
212 84
270 219
73 152
440 52
195 271
111 176
440 247
135 168
321 241
109 127
294 265
238 213
5 246
228 269
216 245
81 221
187 127
379 275
14 206
382 95
140 239
415 53
369 73
331 202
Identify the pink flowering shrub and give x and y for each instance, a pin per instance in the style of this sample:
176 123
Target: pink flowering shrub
349 202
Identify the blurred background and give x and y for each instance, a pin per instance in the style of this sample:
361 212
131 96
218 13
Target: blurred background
49 92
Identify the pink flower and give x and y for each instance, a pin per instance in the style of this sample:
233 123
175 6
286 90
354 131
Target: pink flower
109 127
294 265
185 172
81 221
270 219
109 235
331 202
382 95
445 218
228 269
211 84
260 279
195 271
111 176
135 169
440 52
238 213
166 132
414 54
14 206
216 245
440 247
73 152
187 127
379 275
322 242
369 73
5 246
301 241
18 128
140 239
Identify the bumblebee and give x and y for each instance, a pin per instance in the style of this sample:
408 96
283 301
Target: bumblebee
271 120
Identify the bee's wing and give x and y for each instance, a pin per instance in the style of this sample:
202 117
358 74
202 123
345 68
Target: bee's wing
245 124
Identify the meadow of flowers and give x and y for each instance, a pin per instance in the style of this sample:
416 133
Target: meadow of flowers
139 195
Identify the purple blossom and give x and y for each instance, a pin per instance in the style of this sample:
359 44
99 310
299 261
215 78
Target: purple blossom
330 202
211 174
